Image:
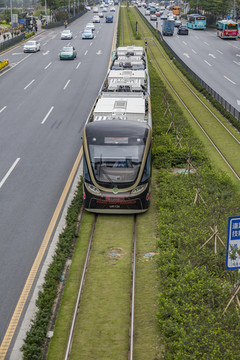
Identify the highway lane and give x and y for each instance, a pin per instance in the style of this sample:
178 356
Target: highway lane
214 60
43 108
211 58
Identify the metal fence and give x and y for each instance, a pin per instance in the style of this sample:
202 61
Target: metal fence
230 108
7 43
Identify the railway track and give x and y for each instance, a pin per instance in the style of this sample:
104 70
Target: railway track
158 55
73 344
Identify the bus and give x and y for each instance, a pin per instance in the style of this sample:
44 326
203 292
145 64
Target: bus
227 29
196 21
176 10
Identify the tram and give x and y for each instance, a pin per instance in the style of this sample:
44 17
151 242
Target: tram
117 140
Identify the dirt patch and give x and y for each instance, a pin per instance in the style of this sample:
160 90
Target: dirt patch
113 254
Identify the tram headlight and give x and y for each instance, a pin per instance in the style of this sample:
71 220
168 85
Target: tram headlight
91 188
139 189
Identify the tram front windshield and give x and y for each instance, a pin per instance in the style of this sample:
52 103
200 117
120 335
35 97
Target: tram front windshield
116 160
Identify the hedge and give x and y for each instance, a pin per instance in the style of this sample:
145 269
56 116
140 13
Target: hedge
34 342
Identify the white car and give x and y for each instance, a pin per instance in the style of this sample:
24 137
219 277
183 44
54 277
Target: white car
88 8
31 46
177 23
95 9
87 34
100 15
112 9
96 19
147 12
90 26
153 17
66 35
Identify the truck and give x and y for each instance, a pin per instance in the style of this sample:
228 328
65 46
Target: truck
168 27
108 18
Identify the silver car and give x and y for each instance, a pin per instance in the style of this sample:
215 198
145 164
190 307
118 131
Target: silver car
31 46
66 35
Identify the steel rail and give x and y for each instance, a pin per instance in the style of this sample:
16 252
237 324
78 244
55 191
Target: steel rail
131 329
70 338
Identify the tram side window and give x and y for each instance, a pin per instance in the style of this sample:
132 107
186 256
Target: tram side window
85 169
147 168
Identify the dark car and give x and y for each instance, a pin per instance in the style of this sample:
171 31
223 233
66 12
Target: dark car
182 30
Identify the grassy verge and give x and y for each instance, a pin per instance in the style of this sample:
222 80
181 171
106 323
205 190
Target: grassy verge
194 286
101 331
34 342
62 327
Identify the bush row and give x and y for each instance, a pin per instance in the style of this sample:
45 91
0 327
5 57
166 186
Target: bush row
194 285
3 64
29 34
34 342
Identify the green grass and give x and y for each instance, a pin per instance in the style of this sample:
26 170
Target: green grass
101 330
147 344
63 323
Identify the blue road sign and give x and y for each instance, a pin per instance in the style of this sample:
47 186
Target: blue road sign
233 243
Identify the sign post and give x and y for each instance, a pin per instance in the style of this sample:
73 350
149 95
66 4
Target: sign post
233 243
233 252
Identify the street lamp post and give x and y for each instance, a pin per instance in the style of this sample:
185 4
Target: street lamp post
11 13
46 10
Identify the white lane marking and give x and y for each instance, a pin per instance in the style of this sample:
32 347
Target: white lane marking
66 84
78 65
220 52
9 172
48 65
238 63
196 37
75 37
91 43
229 80
206 43
3 109
237 54
207 63
97 31
238 102
213 56
184 43
45 43
85 52
20 53
185 54
194 51
47 115
29 84
15 64
99 52
47 52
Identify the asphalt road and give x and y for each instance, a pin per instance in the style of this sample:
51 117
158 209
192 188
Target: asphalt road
44 105
214 60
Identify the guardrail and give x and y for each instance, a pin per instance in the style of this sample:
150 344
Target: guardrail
7 43
230 108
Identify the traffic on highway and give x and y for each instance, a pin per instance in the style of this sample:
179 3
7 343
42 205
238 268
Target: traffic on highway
214 60
44 105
